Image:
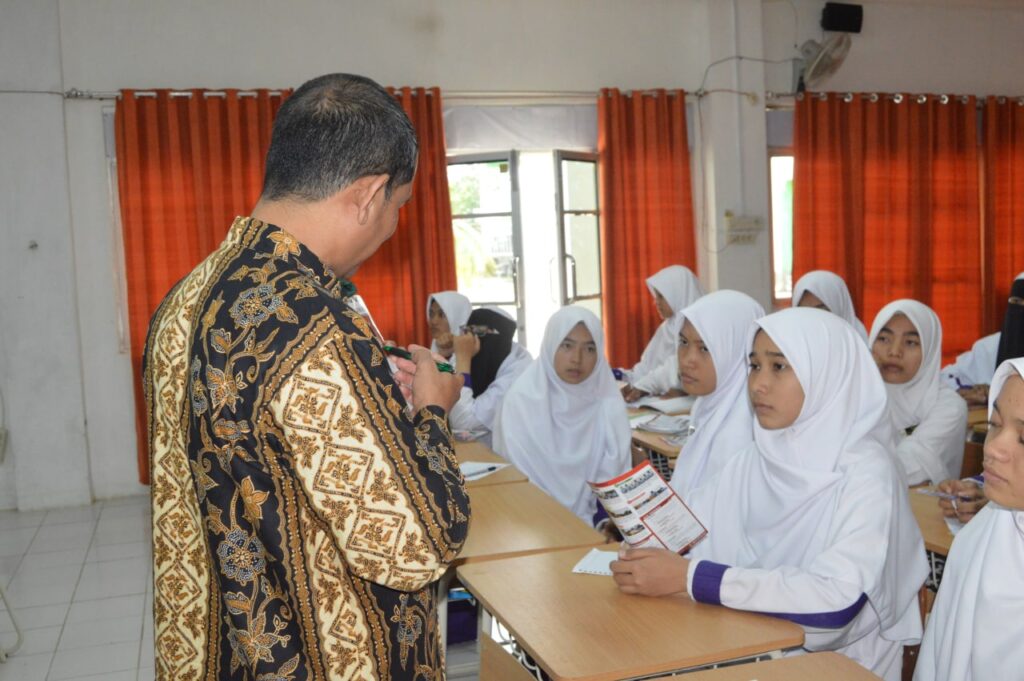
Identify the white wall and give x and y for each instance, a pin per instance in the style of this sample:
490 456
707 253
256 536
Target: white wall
59 357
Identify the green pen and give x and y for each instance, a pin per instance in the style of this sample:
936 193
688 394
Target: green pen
405 354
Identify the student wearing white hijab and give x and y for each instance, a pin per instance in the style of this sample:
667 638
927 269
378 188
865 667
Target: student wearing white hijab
811 522
928 418
712 365
563 422
975 630
975 366
489 361
827 291
447 313
673 288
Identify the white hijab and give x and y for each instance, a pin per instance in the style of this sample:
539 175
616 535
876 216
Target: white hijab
976 631
456 308
830 289
680 288
723 420
791 495
563 435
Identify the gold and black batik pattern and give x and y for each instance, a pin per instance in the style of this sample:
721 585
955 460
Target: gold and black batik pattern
299 514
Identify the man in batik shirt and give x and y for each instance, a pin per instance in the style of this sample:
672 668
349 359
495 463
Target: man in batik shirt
302 513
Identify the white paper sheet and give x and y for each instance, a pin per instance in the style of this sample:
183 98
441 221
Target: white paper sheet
596 562
474 470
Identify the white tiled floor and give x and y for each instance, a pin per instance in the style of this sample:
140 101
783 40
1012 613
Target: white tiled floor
81 586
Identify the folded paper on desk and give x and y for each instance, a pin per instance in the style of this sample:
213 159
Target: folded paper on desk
474 470
666 405
663 423
648 513
596 562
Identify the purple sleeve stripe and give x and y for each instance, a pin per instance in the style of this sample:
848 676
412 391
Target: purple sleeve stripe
824 620
707 582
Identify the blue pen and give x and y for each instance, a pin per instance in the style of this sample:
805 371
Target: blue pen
961 386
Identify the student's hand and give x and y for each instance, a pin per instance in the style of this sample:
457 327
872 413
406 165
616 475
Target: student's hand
975 396
650 572
466 347
430 386
445 345
971 499
631 394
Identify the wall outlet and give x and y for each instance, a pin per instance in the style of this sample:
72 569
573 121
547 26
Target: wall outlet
3 444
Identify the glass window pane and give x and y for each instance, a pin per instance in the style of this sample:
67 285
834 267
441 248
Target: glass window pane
579 185
484 187
483 258
582 243
781 171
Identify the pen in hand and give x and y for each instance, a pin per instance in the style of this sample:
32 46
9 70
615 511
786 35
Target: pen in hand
405 354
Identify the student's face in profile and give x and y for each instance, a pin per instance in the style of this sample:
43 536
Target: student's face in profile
808 299
664 309
576 355
775 392
897 350
696 370
437 320
1004 447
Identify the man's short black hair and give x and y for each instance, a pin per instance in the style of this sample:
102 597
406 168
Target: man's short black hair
334 130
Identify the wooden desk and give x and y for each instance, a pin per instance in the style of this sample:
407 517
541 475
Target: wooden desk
517 519
478 451
977 415
937 537
583 627
813 667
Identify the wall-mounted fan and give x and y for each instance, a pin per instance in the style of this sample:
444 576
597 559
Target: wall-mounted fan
821 60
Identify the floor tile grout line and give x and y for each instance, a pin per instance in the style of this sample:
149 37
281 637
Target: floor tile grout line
64 624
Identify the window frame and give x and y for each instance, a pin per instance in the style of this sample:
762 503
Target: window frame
559 156
786 301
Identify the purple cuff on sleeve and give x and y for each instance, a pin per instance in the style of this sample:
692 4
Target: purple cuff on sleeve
707 582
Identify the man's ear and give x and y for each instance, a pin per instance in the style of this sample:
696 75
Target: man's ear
369 195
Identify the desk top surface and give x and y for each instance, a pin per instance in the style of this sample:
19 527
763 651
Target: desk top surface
813 667
937 537
580 626
518 519
478 451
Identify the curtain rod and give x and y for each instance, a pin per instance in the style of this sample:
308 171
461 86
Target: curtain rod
876 96
466 95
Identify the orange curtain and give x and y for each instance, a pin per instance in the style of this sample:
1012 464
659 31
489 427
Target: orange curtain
1004 204
646 209
886 194
185 166
420 258
188 165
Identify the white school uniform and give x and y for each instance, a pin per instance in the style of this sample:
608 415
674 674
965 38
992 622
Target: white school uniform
456 308
976 629
679 287
812 522
476 415
935 450
974 367
830 289
562 435
722 422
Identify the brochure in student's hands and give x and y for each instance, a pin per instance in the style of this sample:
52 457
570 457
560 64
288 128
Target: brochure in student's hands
648 513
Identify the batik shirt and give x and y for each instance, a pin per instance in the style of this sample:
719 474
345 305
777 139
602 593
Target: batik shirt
300 515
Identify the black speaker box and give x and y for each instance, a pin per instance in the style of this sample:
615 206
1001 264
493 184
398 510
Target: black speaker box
843 17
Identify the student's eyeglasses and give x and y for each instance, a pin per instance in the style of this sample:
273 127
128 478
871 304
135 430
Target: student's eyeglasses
479 330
